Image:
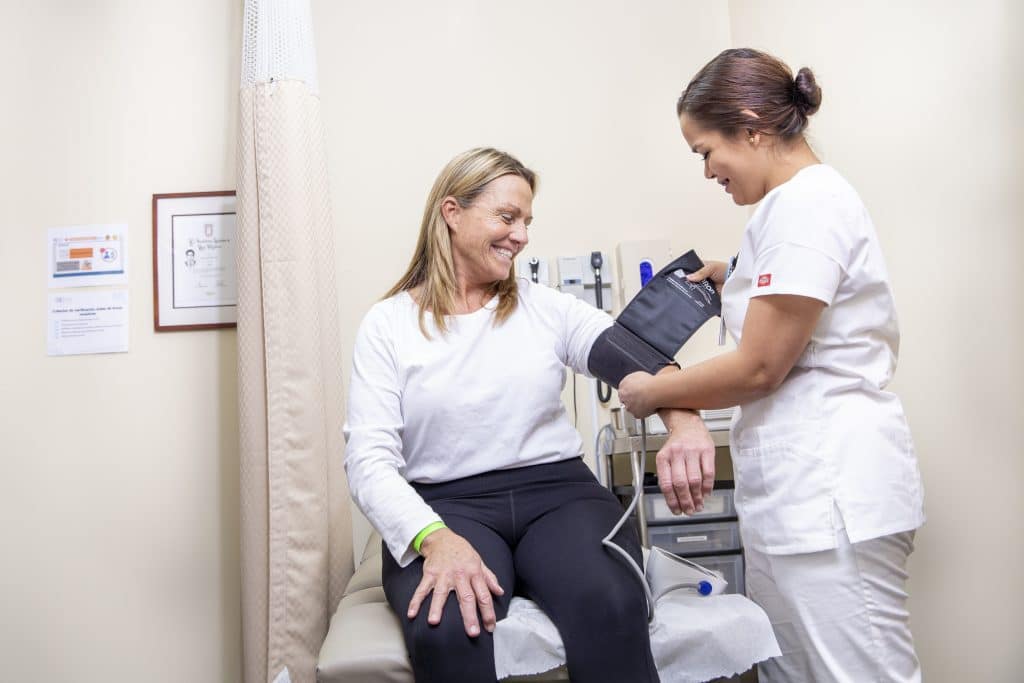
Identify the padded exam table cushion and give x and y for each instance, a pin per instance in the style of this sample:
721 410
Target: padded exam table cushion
364 642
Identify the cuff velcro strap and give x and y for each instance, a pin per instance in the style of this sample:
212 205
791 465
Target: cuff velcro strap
670 308
618 352
656 323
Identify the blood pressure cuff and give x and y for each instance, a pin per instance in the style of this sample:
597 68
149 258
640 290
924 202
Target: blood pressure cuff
656 323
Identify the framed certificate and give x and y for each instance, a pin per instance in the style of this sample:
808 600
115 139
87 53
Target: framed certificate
194 283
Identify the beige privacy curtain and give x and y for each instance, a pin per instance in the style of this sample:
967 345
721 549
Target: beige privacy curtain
296 525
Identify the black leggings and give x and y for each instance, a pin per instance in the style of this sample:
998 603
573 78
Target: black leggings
539 529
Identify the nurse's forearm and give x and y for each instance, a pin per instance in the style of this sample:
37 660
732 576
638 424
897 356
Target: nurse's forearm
724 381
776 331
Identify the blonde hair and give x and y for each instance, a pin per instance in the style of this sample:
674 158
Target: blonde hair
431 266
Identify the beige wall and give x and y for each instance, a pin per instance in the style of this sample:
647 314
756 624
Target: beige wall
118 474
921 112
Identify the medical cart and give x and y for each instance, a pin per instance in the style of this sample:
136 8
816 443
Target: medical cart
711 537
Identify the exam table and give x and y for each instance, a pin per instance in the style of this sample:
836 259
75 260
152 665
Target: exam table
364 642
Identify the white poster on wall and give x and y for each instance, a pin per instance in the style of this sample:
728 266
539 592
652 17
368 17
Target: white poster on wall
87 255
87 322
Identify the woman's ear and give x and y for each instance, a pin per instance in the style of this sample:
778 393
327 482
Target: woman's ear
753 135
451 212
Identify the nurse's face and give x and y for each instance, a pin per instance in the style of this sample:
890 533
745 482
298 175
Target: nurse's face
738 164
488 234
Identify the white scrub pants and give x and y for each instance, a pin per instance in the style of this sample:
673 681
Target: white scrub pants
839 615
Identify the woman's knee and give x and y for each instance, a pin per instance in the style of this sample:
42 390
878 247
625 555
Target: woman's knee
608 601
619 648
449 634
445 652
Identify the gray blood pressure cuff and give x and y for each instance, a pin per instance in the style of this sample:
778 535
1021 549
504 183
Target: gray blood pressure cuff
656 323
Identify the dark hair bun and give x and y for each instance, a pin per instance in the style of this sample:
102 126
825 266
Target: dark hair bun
808 94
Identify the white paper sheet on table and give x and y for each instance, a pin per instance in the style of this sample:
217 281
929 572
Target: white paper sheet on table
693 638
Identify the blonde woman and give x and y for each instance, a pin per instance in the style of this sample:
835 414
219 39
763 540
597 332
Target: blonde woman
460 453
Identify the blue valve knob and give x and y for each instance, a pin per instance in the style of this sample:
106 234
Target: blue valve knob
646 272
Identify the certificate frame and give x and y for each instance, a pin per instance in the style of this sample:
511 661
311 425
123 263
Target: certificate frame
194 279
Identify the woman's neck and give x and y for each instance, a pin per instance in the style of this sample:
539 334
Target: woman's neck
791 161
466 299
471 298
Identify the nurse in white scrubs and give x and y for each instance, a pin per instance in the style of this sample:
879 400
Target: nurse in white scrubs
827 485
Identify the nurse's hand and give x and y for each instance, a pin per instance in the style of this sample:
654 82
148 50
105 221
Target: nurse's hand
635 394
712 270
451 564
686 463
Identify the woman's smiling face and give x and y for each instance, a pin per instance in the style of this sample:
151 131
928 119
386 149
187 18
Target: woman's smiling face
737 164
488 234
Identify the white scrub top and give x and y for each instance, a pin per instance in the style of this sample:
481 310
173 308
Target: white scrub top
830 447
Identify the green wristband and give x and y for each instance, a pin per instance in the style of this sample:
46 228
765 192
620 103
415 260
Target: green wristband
426 531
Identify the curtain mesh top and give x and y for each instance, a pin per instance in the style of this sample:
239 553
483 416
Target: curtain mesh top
278 42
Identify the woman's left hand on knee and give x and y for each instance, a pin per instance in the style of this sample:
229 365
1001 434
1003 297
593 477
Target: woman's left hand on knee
451 563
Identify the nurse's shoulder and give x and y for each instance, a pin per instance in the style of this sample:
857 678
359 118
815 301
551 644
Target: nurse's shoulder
817 209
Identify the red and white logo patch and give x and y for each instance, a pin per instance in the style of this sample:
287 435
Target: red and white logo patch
764 279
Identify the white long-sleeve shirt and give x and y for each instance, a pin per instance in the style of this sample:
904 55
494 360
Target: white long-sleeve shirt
479 398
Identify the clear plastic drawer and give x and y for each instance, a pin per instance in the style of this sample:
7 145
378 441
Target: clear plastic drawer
686 539
730 567
718 505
